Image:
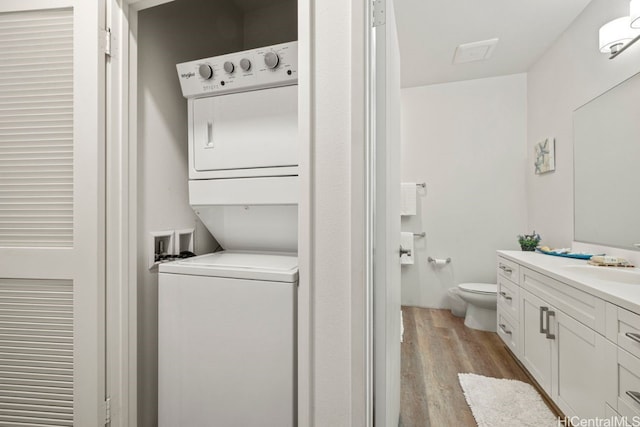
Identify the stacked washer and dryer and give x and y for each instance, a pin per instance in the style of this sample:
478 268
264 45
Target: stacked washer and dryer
227 320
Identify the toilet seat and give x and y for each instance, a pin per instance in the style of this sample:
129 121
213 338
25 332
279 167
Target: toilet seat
479 288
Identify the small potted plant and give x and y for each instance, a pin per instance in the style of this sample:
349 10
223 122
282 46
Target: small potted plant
529 242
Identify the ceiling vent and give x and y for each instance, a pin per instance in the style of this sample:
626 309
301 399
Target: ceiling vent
476 51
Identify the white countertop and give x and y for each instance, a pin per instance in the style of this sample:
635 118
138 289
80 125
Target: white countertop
625 295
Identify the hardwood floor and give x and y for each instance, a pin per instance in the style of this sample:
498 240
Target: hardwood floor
437 346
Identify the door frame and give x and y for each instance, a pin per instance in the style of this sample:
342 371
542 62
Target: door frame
122 245
121 272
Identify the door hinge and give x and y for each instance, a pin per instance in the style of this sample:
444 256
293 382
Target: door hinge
379 17
105 41
107 411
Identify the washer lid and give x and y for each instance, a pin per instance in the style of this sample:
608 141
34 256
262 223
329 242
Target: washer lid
238 265
479 288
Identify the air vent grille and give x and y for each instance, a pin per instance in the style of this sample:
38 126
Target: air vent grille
36 353
36 128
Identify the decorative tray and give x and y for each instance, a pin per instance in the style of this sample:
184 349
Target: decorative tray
567 255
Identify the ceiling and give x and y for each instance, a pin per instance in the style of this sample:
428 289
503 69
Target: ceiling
430 30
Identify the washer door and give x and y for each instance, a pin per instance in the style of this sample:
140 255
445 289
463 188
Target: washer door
246 130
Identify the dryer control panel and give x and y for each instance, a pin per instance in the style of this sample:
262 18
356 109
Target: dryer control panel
248 70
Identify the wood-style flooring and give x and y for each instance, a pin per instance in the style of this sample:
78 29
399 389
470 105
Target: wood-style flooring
437 346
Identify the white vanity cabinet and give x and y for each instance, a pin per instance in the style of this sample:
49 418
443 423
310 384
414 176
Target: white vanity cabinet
582 350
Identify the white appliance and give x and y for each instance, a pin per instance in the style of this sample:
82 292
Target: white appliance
227 320
227 346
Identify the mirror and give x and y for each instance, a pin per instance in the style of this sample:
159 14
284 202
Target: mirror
607 168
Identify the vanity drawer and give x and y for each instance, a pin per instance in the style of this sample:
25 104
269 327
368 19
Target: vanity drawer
623 328
508 331
585 308
508 269
628 382
615 417
508 299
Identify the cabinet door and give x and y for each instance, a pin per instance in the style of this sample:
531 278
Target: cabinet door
536 347
578 368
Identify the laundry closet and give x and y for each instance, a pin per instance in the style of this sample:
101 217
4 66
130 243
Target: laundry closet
214 196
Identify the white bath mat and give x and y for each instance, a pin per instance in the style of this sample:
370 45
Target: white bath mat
500 402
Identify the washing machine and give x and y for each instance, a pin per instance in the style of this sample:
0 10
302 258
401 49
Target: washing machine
227 320
227 348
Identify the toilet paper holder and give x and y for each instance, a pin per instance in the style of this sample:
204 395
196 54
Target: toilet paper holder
439 261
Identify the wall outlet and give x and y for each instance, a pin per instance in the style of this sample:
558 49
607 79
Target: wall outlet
161 245
185 240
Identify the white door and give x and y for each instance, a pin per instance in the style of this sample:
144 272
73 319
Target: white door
386 263
51 213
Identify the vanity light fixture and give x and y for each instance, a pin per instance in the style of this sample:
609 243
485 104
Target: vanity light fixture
617 35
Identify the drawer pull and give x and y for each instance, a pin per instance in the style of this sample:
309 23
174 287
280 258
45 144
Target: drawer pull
550 336
633 336
634 395
505 296
503 327
506 269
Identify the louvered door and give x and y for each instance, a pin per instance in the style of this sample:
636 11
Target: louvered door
51 213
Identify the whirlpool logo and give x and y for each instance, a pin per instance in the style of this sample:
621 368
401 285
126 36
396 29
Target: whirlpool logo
187 75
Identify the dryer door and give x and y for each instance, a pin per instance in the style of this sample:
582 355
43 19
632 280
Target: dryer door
246 130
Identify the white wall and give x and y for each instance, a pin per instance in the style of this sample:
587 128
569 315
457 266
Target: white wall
172 33
569 74
467 141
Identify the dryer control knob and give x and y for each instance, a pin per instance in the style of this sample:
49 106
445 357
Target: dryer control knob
229 67
205 71
245 64
271 59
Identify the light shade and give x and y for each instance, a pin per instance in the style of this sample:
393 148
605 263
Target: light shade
615 34
634 8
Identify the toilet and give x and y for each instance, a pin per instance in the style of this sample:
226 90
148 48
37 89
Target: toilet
481 299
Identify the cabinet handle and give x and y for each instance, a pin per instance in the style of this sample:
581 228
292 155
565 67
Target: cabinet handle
633 336
506 269
550 336
543 310
209 143
505 296
504 328
634 395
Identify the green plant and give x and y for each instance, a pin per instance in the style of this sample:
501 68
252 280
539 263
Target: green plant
529 242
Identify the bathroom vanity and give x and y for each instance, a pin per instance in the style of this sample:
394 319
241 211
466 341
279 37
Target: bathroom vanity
575 328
